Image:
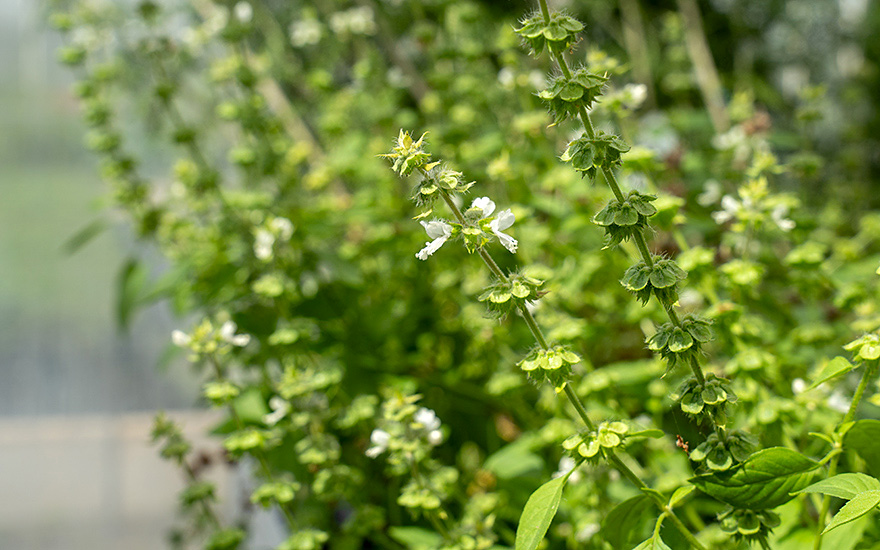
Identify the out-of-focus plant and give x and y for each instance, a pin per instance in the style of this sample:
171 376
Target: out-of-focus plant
374 402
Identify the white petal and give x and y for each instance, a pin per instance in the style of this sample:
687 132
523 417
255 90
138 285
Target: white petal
180 338
485 204
283 226
504 220
721 216
380 438
427 418
274 417
430 248
507 241
436 229
227 330
730 204
240 340
373 452
435 437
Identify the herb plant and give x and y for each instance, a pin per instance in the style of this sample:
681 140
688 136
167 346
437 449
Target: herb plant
383 391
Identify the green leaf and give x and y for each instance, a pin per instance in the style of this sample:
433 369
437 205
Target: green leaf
84 236
514 460
845 486
538 513
680 494
415 538
130 283
832 369
864 438
653 543
860 505
763 481
624 520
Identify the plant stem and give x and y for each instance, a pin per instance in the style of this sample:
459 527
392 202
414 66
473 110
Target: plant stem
867 375
573 397
658 501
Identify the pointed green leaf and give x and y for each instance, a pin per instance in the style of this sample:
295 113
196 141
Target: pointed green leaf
680 494
864 438
832 369
625 519
763 481
538 513
860 505
653 543
845 486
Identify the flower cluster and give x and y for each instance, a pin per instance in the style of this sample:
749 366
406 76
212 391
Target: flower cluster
607 435
682 342
553 365
478 227
661 278
407 432
722 454
866 347
557 34
207 339
567 95
589 154
713 393
504 296
624 219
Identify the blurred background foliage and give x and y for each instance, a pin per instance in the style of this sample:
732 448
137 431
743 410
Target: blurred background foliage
215 120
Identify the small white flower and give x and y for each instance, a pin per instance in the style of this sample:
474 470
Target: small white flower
305 33
485 204
227 334
280 408
427 418
778 216
634 95
379 439
798 385
435 437
180 338
243 12
711 193
588 531
504 220
439 231
264 240
729 209
282 227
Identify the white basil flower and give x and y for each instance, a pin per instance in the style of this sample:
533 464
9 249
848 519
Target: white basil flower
264 240
504 220
439 231
567 464
379 439
243 12
501 222
280 408
778 216
730 207
227 334
427 418
180 338
435 437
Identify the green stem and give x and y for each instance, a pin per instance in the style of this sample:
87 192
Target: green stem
867 375
655 498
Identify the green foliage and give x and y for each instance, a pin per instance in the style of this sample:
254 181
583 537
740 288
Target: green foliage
334 354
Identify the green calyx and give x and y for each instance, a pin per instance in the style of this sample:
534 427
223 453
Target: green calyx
750 525
566 95
694 397
557 34
436 180
552 365
682 343
607 435
660 278
623 219
408 154
866 348
600 152
718 455
503 297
